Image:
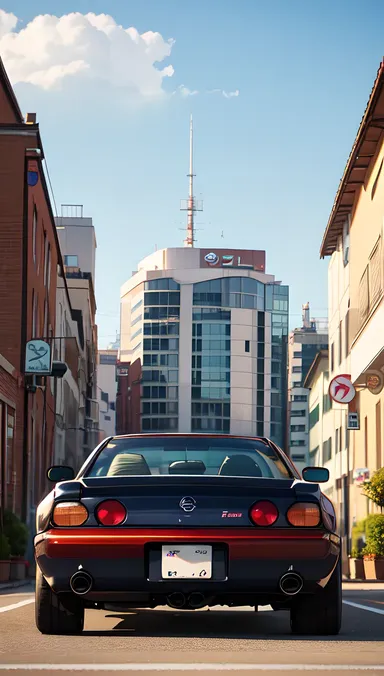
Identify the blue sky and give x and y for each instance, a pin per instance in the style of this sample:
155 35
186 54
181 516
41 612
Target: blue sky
268 161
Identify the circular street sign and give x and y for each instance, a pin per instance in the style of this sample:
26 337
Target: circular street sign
374 381
341 389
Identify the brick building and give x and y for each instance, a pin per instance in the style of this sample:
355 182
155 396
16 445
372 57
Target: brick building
29 266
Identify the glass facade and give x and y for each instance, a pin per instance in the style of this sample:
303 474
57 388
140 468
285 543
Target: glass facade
160 368
276 302
211 351
211 364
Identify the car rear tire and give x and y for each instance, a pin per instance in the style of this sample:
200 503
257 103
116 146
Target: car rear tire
51 615
319 614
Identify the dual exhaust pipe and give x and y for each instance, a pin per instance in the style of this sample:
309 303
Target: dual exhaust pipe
290 584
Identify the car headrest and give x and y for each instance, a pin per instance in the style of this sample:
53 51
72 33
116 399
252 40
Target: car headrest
240 465
128 464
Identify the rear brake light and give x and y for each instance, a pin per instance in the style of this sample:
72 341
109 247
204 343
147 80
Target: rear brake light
264 513
304 514
69 514
111 513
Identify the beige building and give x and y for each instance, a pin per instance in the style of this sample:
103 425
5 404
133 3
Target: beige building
354 240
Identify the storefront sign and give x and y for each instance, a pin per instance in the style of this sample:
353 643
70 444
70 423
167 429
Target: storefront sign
38 358
360 476
122 371
341 389
232 258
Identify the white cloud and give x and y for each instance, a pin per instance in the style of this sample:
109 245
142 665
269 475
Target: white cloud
185 92
49 49
7 22
222 92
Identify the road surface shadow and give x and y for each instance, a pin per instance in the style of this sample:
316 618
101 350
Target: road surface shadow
230 624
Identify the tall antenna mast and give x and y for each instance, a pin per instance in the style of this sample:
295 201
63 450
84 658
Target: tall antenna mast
191 205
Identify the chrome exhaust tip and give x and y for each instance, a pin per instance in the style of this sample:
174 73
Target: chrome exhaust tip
176 600
196 600
291 584
81 583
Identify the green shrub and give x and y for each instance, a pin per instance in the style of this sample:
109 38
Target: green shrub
5 550
375 537
356 553
16 532
374 489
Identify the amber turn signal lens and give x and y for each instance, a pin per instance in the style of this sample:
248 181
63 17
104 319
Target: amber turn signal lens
304 514
70 514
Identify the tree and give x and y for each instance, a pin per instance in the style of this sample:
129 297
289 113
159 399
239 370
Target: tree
374 489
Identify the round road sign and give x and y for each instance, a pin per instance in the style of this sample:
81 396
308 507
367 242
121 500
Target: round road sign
341 389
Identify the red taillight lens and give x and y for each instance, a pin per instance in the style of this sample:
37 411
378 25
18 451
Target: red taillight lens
111 513
264 513
304 514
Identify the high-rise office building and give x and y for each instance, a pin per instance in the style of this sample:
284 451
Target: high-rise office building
204 337
304 344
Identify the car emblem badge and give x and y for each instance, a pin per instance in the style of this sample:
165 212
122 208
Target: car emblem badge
187 504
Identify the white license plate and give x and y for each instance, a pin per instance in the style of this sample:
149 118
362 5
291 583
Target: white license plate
186 561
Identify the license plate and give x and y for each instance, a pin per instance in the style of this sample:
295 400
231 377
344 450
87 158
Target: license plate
187 562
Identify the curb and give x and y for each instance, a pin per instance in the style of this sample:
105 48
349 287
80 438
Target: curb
15 585
357 581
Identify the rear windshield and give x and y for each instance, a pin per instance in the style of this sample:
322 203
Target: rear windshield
189 456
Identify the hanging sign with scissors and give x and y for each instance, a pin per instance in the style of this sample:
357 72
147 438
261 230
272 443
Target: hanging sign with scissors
38 358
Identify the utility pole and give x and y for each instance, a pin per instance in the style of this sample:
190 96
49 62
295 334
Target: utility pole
191 205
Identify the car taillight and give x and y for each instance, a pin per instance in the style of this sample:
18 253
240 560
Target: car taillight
111 513
264 513
304 514
69 514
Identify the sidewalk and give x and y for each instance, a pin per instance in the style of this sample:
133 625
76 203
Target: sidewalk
5 586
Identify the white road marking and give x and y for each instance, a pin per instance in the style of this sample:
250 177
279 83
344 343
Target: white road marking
361 607
5 609
191 667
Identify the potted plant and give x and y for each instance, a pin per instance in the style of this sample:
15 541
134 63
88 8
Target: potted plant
5 551
356 565
17 534
373 552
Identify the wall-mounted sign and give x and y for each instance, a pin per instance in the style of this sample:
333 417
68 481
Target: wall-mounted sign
232 258
122 371
353 421
374 381
341 389
361 475
38 358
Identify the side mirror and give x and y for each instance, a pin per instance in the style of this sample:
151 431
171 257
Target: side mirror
316 475
60 473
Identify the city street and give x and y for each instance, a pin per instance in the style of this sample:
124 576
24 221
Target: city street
218 640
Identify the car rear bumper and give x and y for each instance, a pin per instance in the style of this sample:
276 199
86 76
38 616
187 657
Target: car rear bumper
125 563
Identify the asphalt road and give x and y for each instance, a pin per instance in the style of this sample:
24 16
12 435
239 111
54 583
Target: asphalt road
164 640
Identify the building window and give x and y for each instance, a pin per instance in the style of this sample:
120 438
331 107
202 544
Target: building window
34 233
298 458
107 417
297 428
297 442
332 357
327 450
296 369
71 261
346 242
107 359
300 397
346 346
301 413
162 284
9 448
340 342
314 416
247 346
297 355
327 403
375 283
363 298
